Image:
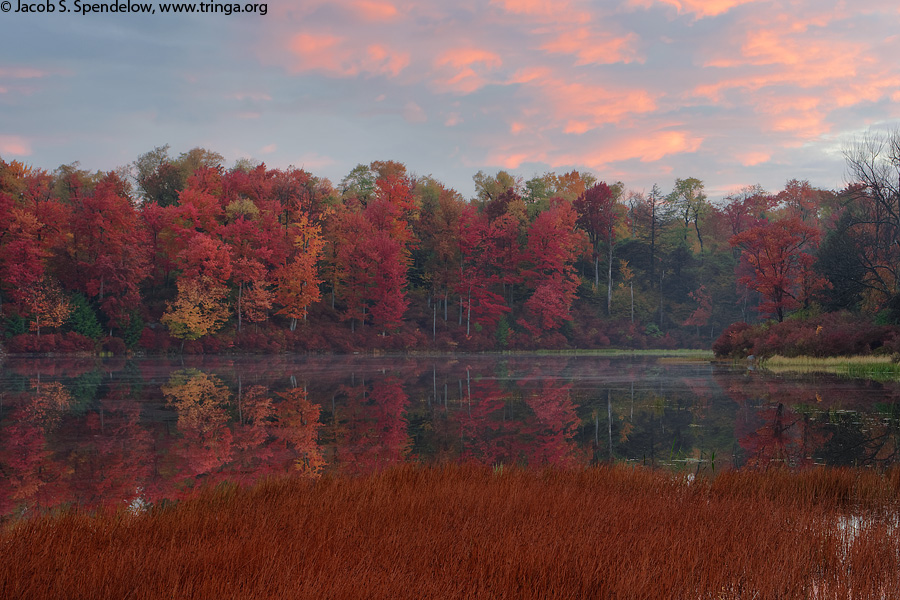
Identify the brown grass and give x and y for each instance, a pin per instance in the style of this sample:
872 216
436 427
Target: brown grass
470 532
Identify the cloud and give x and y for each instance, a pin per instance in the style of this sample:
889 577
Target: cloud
750 159
24 73
311 161
464 70
251 95
338 56
413 113
578 107
14 145
650 147
557 11
453 119
371 10
594 48
599 155
698 8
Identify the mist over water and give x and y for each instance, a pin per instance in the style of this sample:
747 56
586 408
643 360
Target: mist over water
106 432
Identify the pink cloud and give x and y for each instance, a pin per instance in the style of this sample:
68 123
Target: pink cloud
319 52
557 11
529 74
465 70
647 147
593 48
337 56
463 57
514 161
580 107
452 120
750 159
699 8
384 61
23 73
371 10
15 145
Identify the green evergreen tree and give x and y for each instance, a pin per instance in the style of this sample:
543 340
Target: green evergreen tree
83 319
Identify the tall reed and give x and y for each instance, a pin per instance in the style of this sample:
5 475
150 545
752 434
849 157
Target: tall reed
472 532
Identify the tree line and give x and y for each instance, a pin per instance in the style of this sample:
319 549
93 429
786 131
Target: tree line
177 252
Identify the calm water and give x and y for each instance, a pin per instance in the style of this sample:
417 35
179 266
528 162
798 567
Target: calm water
125 432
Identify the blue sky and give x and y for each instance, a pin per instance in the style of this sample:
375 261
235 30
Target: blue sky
733 92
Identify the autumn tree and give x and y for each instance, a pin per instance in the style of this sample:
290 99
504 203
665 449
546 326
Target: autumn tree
436 257
298 280
201 401
553 245
298 423
477 278
107 252
598 214
198 310
489 187
780 262
46 305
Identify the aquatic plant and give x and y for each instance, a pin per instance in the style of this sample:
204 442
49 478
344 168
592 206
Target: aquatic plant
463 532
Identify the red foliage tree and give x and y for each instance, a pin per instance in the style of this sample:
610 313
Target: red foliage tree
598 213
781 267
108 249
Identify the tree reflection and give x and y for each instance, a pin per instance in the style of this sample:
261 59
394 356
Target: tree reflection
96 432
201 402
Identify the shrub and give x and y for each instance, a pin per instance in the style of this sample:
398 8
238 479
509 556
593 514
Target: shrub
734 341
115 345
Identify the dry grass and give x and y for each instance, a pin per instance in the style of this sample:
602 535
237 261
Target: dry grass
866 367
470 532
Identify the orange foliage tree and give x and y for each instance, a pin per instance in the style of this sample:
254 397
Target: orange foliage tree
47 305
298 280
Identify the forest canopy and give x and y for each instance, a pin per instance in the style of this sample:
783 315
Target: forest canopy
180 253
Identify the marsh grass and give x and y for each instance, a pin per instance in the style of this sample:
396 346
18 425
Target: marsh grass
879 368
476 532
682 353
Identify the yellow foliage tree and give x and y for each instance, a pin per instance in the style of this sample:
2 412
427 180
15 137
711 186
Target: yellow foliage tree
198 310
200 399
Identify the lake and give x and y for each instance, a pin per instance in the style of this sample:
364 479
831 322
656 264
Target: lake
126 432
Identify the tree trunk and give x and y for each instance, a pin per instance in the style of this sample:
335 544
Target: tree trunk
609 283
632 302
240 294
469 312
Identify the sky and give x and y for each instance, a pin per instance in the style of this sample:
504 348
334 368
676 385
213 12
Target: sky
732 92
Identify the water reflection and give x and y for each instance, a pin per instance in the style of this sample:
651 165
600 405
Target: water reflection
126 432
